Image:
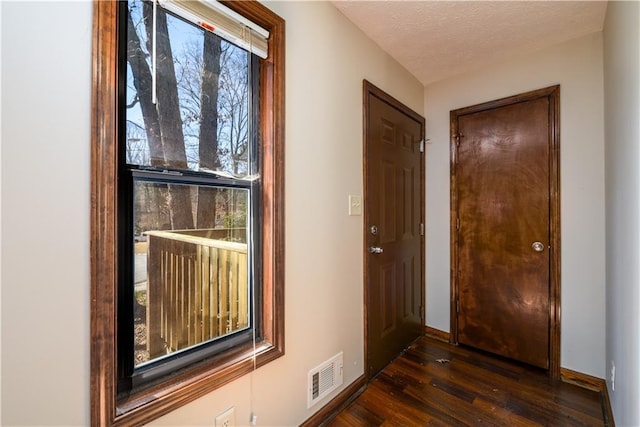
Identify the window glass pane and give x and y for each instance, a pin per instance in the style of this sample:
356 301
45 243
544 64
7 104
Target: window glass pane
200 120
191 266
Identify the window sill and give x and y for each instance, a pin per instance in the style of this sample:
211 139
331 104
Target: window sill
201 379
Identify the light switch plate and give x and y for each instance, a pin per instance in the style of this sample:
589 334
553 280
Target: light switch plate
355 205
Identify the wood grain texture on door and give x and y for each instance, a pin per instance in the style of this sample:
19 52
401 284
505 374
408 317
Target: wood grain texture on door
505 166
394 279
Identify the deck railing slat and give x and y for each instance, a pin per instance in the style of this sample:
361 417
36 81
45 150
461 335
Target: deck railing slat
197 290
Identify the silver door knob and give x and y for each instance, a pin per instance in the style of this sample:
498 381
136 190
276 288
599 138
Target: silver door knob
376 250
537 246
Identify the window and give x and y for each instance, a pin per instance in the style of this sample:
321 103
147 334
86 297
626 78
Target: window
187 213
190 184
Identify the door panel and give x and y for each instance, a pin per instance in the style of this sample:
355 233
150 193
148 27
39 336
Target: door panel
393 204
388 287
387 203
503 195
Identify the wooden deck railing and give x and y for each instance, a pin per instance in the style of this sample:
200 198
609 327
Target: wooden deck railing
197 289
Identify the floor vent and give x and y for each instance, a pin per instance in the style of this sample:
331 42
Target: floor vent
323 379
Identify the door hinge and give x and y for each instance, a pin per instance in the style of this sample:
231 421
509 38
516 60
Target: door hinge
422 145
422 229
457 223
457 138
458 306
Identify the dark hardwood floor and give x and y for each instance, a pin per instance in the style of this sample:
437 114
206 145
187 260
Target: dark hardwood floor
434 383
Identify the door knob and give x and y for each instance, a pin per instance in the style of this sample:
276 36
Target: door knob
376 250
537 246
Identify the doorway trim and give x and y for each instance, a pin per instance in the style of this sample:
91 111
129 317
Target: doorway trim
553 94
368 91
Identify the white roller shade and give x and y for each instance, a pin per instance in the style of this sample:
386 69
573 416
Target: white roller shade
224 22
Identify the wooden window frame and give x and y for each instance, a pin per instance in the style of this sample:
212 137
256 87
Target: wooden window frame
107 408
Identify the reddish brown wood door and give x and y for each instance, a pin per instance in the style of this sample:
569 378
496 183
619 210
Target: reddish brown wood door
503 176
393 222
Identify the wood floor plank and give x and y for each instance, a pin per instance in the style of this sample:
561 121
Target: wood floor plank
503 415
434 383
447 373
359 415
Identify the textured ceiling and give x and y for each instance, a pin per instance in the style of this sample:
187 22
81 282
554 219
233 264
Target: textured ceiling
438 39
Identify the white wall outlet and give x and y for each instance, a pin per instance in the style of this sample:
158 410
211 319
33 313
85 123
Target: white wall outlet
613 376
355 205
227 418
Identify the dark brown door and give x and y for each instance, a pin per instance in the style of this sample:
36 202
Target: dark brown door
393 227
504 165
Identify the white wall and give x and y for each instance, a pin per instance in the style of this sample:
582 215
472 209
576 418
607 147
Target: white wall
45 213
622 141
0 224
46 81
577 66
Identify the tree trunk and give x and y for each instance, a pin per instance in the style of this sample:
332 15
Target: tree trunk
168 110
142 83
208 138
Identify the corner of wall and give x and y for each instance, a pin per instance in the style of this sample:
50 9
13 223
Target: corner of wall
622 157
